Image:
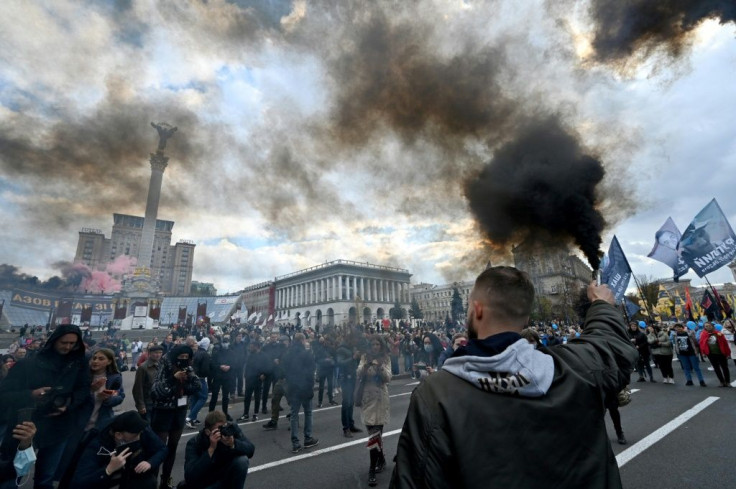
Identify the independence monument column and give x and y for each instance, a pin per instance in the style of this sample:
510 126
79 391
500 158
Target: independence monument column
158 165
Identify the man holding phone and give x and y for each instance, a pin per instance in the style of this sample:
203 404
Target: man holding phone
125 455
55 384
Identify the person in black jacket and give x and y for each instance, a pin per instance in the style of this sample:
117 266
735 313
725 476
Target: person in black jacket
218 456
201 365
279 384
324 355
501 405
124 454
299 371
240 347
256 369
639 339
55 383
224 361
175 383
348 355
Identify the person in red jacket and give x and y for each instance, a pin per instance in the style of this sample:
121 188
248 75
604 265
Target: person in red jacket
713 344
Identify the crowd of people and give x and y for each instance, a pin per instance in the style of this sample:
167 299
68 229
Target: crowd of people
60 392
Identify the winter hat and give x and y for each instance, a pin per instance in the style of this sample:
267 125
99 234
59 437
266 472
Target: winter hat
129 422
718 327
204 343
691 324
642 324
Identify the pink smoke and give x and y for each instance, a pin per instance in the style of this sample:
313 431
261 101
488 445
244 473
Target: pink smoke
121 265
108 280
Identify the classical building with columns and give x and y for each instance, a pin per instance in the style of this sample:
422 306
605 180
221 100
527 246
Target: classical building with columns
340 292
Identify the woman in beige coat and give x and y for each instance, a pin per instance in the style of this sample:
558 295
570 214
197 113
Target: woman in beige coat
374 371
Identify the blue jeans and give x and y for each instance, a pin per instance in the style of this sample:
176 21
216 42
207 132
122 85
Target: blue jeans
346 413
690 363
296 404
198 401
47 461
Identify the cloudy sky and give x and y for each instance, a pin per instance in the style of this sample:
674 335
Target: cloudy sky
430 135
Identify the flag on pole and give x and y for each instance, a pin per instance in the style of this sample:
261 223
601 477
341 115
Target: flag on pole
709 242
665 248
615 270
631 307
689 311
722 304
709 306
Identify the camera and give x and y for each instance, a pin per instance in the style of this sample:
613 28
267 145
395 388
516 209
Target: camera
53 401
189 370
228 430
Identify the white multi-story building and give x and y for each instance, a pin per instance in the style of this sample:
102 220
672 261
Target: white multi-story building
340 292
435 301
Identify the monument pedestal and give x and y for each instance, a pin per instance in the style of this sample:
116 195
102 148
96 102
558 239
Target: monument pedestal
140 292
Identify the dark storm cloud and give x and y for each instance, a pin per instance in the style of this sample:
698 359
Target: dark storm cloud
540 185
625 28
540 188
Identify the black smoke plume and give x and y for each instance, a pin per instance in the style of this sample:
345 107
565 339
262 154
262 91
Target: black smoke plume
540 189
624 28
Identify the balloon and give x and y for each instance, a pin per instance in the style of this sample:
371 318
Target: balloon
642 324
554 326
691 324
719 327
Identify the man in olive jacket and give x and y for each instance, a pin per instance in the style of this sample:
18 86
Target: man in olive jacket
502 413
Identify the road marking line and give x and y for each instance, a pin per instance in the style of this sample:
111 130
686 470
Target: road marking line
412 383
190 433
627 455
316 452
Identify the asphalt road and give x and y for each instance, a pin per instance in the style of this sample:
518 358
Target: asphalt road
679 437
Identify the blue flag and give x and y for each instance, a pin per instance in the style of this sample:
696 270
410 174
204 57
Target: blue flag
615 270
665 248
709 242
631 307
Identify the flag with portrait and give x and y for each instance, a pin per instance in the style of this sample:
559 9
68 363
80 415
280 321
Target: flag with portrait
709 242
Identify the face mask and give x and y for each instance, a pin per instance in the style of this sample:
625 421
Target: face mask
225 346
182 363
428 348
23 461
134 446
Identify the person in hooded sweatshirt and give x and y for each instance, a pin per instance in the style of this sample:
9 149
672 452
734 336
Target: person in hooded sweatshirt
503 412
55 383
174 384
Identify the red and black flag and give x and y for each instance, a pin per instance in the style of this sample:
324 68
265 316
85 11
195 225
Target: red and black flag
712 311
86 315
63 312
120 311
182 314
154 312
201 309
689 305
724 305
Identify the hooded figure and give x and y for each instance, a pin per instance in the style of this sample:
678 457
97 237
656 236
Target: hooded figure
55 384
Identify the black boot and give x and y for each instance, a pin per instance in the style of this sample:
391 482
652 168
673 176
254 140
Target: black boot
621 439
372 482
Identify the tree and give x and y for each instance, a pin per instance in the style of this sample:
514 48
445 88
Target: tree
542 309
416 311
397 312
650 291
456 306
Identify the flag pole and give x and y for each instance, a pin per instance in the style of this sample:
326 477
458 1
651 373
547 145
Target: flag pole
641 294
626 313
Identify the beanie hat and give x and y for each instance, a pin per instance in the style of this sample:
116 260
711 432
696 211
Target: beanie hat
129 421
204 343
642 324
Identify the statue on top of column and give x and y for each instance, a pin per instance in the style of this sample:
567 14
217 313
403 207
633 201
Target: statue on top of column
165 131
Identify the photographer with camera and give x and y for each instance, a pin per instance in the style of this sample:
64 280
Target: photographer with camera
55 383
176 381
217 457
124 454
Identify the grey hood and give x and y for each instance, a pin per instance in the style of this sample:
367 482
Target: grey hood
519 370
